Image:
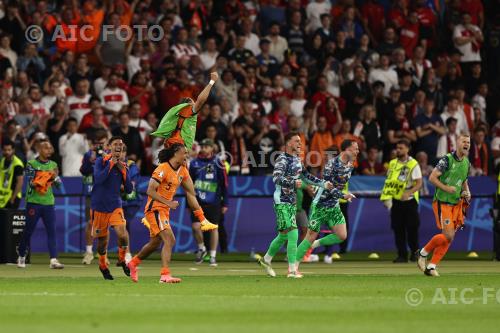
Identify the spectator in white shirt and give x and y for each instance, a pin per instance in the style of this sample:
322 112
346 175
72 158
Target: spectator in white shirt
384 74
53 94
468 38
209 56
278 43
314 10
453 110
79 104
448 142
113 98
101 82
181 48
7 52
72 147
251 40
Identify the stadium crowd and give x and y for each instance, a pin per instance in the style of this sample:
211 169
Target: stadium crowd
374 71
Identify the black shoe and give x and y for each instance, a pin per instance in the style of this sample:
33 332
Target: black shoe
123 265
413 257
399 260
106 274
200 255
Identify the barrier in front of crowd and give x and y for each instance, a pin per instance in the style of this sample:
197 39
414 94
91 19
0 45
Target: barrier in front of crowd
250 221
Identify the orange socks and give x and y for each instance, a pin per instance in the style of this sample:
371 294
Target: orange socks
439 244
199 215
136 261
121 253
435 242
439 253
165 271
102 261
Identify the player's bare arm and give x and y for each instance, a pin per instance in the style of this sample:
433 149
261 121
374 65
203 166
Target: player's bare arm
434 179
203 96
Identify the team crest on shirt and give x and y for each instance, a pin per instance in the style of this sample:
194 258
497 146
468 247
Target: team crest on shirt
161 174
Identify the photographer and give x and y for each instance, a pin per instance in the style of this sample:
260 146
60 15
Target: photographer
97 149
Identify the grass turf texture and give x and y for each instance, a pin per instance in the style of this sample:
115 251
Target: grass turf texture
350 295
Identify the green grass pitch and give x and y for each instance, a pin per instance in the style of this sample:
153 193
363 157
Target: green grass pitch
351 295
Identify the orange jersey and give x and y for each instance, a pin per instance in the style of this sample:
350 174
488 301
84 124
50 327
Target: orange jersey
169 180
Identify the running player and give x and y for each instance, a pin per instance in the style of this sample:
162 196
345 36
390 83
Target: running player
110 174
42 174
162 187
287 175
451 199
325 209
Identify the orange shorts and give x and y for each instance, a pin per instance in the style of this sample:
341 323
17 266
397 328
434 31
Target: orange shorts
156 221
448 216
101 221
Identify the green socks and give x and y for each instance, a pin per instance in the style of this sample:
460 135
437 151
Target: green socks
302 249
327 240
291 249
276 245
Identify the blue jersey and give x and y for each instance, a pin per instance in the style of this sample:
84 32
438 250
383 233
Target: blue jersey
210 180
106 192
287 170
338 173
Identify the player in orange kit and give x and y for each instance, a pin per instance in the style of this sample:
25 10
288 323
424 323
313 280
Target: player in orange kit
162 187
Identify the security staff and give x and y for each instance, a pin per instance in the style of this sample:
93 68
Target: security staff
400 196
11 177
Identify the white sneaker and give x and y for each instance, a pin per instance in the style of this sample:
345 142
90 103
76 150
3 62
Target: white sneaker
327 259
295 275
21 262
87 258
266 265
213 262
55 264
313 258
128 257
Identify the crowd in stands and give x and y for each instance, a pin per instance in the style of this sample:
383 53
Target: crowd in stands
376 71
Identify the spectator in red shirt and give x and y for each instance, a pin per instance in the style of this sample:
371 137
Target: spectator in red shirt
409 35
398 13
170 93
373 17
476 11
370 166
142 92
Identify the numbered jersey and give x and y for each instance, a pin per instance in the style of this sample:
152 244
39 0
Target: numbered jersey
169 180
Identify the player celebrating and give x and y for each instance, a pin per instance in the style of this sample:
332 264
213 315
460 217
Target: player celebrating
325 209
87 170
162 187
287 173
451 199
110 174
42 174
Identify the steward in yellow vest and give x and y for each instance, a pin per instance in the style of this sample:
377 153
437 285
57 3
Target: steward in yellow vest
400 195
11 177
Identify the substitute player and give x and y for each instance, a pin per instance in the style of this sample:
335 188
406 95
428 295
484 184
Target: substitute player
162 187
325 209
287 175
42 174
110 174
451 199
97 149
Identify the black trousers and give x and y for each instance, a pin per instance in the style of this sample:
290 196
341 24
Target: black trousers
15 205
496 237
405 222
213 213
